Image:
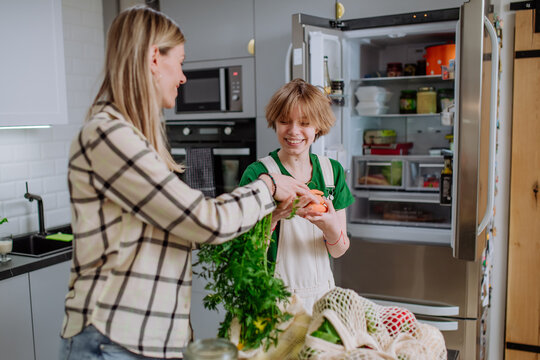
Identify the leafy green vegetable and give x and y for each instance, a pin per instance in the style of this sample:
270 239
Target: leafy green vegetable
3 220
328 333
294 209
240 279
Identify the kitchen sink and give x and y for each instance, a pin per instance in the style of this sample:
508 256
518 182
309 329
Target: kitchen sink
35 245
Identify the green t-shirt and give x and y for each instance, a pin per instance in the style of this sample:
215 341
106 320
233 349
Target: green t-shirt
342 194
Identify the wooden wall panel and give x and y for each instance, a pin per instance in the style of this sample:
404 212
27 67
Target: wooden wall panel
523 299
525 38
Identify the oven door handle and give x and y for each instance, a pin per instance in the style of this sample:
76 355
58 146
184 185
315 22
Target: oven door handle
222 92
217 151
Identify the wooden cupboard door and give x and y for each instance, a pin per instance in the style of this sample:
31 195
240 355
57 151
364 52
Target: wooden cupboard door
523 299
526 38
520 355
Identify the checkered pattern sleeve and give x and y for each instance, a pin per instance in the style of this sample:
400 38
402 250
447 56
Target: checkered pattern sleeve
126 170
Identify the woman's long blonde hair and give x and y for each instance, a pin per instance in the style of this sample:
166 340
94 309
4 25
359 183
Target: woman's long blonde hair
128 83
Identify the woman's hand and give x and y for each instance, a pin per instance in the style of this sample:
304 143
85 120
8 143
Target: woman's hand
282 211
287 187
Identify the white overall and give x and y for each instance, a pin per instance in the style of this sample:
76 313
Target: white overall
302 259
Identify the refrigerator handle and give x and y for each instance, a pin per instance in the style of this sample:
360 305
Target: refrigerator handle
492 125
288 60
469 61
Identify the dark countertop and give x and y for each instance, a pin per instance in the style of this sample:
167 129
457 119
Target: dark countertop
20 264
23 264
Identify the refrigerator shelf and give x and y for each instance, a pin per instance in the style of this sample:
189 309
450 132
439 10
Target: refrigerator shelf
401 115
402 79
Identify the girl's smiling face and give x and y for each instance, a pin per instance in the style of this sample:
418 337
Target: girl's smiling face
295 133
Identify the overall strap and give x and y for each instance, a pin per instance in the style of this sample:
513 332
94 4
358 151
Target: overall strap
271 164
328 172
328 175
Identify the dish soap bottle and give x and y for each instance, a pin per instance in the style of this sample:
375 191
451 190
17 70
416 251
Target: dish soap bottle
327 83
446 182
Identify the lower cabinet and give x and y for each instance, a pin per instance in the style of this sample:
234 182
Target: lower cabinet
32 313
16 341
48 288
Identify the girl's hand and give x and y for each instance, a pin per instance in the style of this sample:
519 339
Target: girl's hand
325 221
333 224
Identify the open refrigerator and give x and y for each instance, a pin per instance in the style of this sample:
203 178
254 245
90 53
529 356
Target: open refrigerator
407 248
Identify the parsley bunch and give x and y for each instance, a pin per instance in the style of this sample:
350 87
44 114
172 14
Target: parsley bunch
240 278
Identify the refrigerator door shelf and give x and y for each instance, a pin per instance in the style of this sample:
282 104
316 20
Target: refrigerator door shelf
400 234
421 309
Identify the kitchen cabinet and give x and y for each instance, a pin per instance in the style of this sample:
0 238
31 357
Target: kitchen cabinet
32 75
214 29
523 295
356 9
16 341
48 288
205 323
32 313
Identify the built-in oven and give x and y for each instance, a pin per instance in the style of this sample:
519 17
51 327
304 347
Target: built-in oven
228 145
221 89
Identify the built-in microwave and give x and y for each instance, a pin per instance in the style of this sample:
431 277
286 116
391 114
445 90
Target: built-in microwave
214 90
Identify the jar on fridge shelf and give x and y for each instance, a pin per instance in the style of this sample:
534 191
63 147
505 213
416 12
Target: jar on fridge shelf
394 69
407 102
445 98
421 67
409 70
426 100
337 92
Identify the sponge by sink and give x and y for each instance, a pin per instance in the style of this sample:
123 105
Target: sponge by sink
60 237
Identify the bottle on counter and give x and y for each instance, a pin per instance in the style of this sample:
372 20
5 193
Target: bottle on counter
327 83
445 187
426 100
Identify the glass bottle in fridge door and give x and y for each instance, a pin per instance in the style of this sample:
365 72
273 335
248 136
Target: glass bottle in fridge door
446 182
327 84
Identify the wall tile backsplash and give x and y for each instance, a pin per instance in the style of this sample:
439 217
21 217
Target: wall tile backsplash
39 156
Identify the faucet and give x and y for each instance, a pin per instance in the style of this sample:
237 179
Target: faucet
32 197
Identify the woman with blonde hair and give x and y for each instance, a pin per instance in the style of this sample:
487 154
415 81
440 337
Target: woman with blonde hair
134 221
300 113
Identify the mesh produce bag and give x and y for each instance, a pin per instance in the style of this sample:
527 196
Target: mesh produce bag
355 328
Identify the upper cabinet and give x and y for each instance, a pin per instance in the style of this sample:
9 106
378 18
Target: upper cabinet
214 29
32 75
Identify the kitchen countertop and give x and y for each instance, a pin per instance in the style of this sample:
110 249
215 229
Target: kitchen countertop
23 264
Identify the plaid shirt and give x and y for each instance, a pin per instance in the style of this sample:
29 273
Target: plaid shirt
135 223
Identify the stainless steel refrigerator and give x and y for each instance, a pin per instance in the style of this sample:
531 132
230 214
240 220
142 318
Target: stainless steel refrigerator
407 248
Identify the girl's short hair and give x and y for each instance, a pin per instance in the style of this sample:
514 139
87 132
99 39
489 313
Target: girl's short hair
315 106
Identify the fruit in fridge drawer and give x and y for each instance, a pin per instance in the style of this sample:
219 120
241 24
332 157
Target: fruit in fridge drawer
377 179
398 320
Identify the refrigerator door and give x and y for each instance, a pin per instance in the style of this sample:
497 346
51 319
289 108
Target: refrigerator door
426 279
313 38
474 131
